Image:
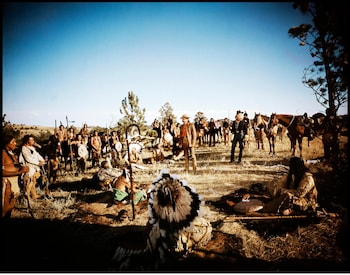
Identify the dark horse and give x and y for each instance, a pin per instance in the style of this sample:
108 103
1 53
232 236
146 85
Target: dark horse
297 126
265 126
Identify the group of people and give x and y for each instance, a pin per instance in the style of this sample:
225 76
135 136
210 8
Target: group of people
23 172
185 137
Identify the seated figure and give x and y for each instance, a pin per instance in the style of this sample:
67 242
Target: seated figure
295 192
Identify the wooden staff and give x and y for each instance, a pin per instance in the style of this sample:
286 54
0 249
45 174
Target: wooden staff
130 168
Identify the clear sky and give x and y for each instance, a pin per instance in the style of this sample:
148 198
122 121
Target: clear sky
81 59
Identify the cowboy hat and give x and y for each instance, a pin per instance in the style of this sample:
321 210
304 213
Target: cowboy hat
185 116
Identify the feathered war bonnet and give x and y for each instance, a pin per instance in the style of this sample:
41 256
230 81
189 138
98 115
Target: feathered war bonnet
172 203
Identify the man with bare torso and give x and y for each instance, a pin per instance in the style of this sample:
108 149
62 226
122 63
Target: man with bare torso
11 171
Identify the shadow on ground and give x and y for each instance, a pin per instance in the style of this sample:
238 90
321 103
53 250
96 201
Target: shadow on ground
62 246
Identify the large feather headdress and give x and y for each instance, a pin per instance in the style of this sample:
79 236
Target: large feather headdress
174 210
172 202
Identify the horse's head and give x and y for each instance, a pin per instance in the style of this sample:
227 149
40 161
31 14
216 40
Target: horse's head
273 121
317 120
257 121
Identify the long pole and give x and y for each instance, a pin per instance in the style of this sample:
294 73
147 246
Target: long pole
130 168
269 217
131 182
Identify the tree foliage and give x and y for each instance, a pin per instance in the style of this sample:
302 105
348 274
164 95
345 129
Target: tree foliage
8 129
166 111
133 114
327 41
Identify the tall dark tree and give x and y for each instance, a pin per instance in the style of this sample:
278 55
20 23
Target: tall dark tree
327 39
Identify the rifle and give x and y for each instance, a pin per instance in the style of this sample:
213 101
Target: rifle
318 214
45 179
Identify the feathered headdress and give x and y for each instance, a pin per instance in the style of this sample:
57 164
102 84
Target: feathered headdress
172 206
174 211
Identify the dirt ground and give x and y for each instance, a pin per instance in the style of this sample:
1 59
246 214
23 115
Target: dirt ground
78 230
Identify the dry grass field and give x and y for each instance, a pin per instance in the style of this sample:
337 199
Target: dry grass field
78 230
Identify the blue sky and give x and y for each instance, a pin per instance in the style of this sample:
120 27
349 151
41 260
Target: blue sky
81 59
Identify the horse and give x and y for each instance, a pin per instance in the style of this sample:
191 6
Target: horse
264 126
282 131
202 131
259 124
218 130
297 126
317 125
271 131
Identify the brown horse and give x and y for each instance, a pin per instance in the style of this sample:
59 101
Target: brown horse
202 131
297 126
265 127
259 124
271 132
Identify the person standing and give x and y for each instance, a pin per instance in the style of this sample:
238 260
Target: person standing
70 154
237 129
246 129
61 133
226 130
62 136
11 173
85 133
96 146
188 138
80 152
212 132
29 156
156 126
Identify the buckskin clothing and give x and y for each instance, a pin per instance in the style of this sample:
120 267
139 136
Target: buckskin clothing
188 138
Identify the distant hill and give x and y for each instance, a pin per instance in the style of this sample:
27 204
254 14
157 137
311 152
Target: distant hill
32 129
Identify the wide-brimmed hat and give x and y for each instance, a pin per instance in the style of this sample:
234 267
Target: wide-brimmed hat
185 116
